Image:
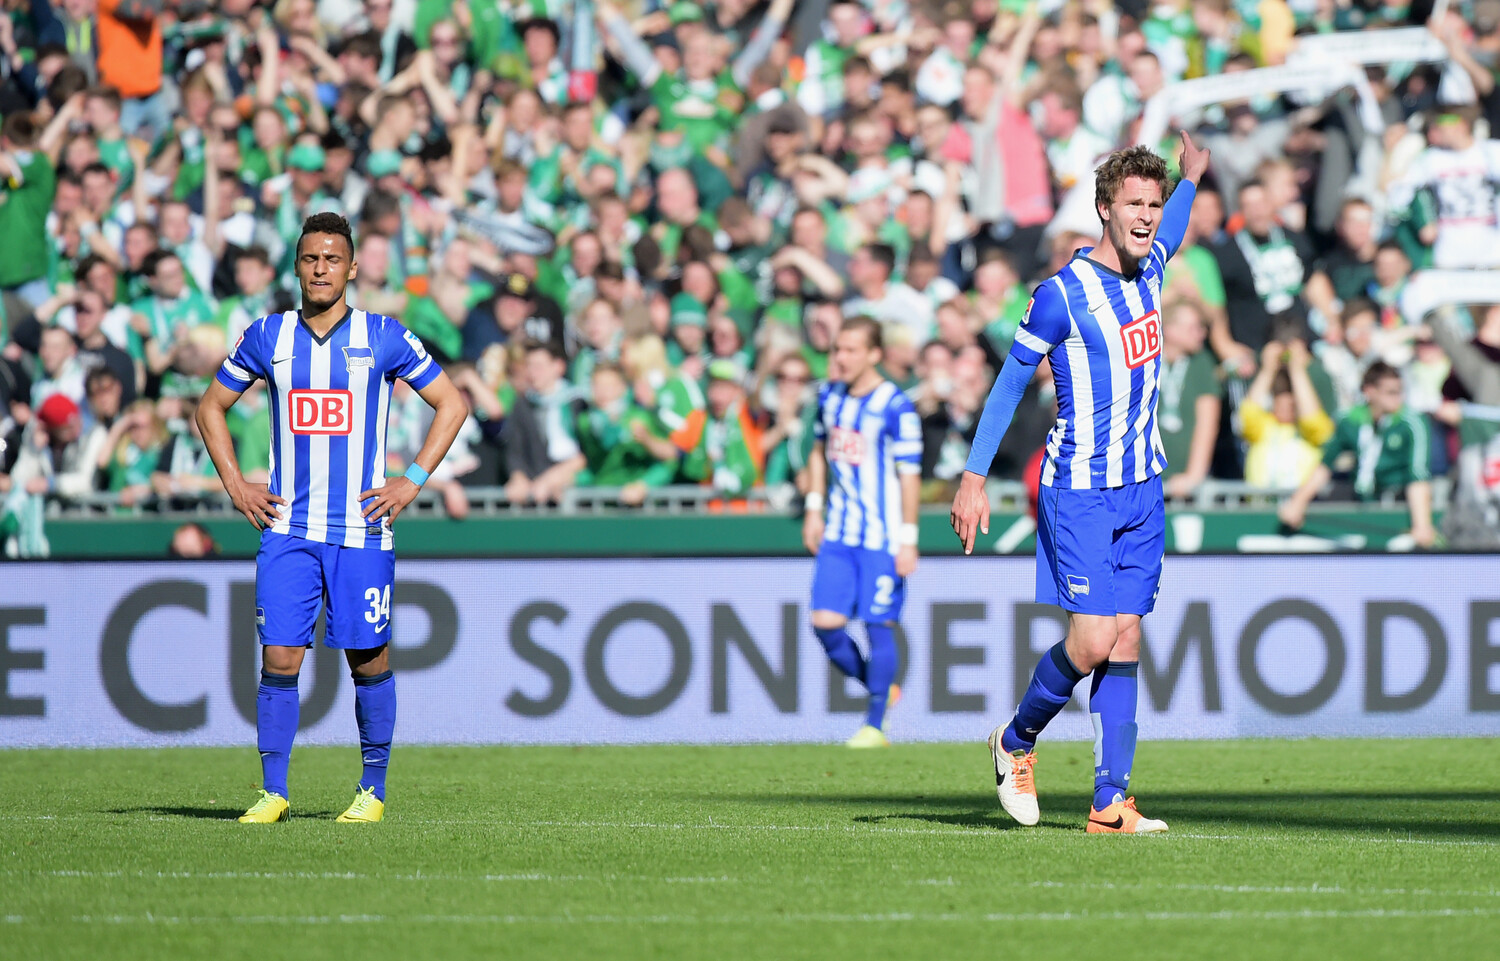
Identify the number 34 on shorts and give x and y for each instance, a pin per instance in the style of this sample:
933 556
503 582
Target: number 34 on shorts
293 575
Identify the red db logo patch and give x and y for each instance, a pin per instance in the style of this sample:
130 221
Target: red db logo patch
321 411
1142 339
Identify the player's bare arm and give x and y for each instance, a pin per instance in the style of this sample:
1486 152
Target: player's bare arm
911 503
442 396
255 501
812 504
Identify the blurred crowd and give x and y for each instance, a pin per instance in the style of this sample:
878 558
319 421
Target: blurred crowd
630 231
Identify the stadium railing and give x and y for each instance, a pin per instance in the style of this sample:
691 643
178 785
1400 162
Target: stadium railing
1006 497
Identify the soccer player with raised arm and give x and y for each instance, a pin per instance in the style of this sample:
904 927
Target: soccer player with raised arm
867 456
1101 526
325 519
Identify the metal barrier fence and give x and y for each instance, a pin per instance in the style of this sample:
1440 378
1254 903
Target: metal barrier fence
1006 497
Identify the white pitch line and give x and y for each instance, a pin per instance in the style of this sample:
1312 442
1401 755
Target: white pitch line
350 876
1010 833
802 918
421 876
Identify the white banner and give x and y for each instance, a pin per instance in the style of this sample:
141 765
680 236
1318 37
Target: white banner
1370 47
617 651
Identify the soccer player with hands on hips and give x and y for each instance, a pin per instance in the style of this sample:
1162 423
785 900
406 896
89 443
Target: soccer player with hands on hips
1101 525
861 516
325 518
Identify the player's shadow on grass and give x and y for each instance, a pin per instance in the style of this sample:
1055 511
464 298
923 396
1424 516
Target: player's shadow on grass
1436 815
203 813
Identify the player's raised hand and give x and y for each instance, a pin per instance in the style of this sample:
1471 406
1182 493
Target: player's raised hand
257 503
389 500
971 510
1194 162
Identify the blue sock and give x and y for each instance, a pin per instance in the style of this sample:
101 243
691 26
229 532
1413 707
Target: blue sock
1112 707
1051 685
277 708
841 651
375 712
880 674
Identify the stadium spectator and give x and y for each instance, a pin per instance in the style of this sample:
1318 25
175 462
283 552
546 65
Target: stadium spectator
1190 398
1459 172
131 451
61 371
191 542
1346 272
57 454
184 475
1384 450
1282 419
609 433
547 457
719 446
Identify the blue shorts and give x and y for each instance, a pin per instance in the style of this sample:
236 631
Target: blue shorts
857 583
1099 551
295 577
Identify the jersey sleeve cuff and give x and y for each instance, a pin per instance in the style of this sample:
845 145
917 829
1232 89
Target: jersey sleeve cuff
232 381
1025 355
424 375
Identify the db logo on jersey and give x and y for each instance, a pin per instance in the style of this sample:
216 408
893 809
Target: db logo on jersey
846 446
321 411
1142 339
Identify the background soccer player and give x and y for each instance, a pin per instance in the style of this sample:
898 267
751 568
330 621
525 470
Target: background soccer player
867 453
1100 523
326 518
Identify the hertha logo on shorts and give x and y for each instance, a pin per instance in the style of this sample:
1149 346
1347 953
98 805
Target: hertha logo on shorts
1142 339
326 412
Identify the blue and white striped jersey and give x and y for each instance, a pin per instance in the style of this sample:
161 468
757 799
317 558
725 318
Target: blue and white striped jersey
868 442
329 402
1102 333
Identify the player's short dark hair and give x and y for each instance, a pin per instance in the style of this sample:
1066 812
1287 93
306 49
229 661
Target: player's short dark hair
1253 183
1393 245
874 335
97 168
1378 373
1135 161
21 129
326 223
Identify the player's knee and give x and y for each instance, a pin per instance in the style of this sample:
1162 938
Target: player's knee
1091 640
1127 645
828 620
282 660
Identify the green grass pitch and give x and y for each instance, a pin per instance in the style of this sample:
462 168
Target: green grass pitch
1304 849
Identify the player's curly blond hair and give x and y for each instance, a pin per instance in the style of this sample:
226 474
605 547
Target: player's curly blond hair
1131 162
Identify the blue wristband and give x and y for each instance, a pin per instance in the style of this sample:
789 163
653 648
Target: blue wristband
416 474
